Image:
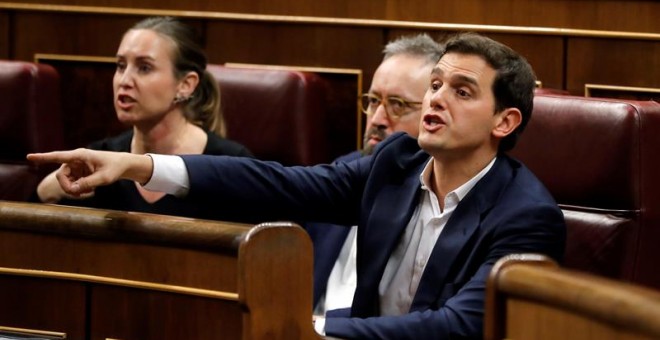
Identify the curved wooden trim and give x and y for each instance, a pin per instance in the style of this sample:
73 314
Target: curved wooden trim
612 302
614 212
495 304
589 87
32 332
125 226
330 21
220 295
39 57
354 71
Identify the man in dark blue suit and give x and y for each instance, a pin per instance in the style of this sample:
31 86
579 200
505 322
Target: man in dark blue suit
392 104
431 221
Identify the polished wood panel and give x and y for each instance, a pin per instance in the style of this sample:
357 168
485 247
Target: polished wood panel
529 297
290 44
584 14
278 42
544 53
95 244
145 276
622 92
184 267
624 15
4 36
564 40
23 304
126 313
547 323
68 34
612 61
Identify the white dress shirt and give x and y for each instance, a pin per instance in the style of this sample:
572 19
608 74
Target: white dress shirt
406 265
343 278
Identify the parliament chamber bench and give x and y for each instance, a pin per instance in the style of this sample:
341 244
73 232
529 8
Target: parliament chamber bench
79 273
596 156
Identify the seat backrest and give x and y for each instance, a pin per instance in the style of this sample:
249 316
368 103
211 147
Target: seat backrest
597 158
30 121
30 117
278 114
527 297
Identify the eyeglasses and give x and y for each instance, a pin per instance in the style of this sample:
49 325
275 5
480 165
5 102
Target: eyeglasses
395 107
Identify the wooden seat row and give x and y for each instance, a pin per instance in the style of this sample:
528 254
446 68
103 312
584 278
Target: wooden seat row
100 274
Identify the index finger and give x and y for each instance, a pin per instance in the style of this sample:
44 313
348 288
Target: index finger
54 157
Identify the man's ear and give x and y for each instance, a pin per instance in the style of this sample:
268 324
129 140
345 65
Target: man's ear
188 84
506 122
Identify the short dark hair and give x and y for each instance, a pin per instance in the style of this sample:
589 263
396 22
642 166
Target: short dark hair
514 82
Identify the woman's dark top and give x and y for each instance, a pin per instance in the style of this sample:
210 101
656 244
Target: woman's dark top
123 194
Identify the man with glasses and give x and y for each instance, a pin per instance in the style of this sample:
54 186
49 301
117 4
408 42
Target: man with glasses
434 213
400 80
392 104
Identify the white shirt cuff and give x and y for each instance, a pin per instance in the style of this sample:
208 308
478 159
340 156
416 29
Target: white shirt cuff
319 325
169 175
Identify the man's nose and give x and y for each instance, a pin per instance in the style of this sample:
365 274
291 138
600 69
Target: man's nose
439 97
380 116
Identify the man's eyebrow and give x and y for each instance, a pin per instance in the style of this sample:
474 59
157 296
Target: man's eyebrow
466 79
437 71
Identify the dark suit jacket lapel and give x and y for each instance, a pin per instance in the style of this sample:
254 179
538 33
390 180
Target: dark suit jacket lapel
465 220
394 205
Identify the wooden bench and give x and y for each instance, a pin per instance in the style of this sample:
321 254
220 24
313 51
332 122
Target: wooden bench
98 274
530 297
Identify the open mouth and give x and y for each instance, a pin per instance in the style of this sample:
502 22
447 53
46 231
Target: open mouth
432 122
125 102
125 99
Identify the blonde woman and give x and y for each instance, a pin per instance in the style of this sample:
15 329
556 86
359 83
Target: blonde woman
161 88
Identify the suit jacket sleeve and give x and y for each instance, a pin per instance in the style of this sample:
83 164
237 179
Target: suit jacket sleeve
244 189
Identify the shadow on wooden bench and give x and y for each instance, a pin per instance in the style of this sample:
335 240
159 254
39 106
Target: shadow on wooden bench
102 274
529 297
